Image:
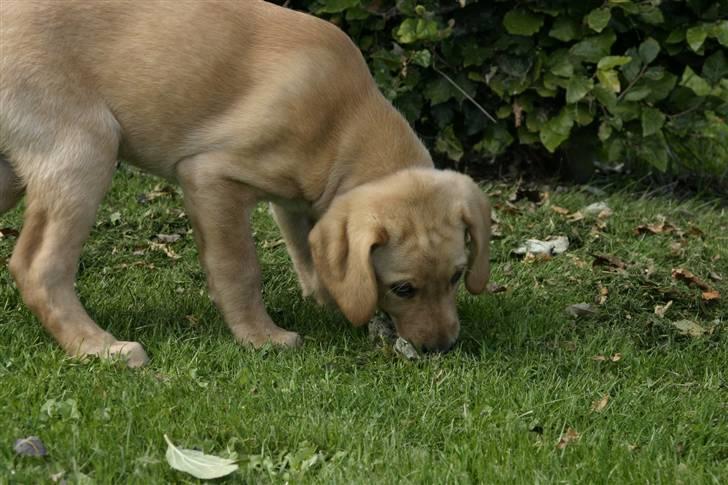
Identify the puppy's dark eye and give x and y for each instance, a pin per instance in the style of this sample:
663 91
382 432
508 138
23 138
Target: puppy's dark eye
403 289
456 277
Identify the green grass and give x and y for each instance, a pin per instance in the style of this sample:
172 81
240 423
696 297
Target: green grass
492 410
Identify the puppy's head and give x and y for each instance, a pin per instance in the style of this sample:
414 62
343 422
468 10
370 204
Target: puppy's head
402 243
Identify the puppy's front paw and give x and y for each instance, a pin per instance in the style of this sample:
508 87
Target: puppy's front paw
130 352
276 336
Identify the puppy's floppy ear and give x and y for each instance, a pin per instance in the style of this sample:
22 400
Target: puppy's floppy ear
476 215
341 245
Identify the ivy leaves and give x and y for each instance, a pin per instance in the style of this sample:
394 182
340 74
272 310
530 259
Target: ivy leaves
632 73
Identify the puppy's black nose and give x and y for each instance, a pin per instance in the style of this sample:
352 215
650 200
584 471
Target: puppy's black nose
443 347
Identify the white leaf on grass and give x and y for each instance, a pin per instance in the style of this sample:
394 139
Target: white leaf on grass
600 209
689 328
581 310
552 246
198 464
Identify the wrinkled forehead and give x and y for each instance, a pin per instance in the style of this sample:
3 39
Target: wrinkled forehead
419 247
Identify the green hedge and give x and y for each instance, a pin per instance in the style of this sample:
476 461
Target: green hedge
641 82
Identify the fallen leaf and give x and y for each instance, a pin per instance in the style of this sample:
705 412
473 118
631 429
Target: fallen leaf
715 276
581 310
601 259
30 446
601 297
575 217
8 232
552 246
689 278
695 231
600 404
406 349
495 288
198 464
569 436
115 217
599 209
677 248
710 295
661 310
58 477
273 244
165 249
560 210
381 329
660 227
689 328
603 358
168 238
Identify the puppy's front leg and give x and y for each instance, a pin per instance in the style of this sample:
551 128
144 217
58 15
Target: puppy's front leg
295 228
220 213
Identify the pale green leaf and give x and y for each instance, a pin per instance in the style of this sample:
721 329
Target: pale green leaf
694 82
689 328
610 62
609 79
577 88
652 121
649 49
522 22
598 19
565 29
449 144
557 130
695 36
593 48
198 464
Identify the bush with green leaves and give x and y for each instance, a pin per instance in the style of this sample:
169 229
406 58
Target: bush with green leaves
641 82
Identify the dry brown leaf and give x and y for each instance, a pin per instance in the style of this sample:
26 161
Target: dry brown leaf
560 210
676 248
165 249
495 288
660 310
600 404
601 259
167 238
601 297
569 436
711 295
660 227
603 358
517 111
575 217
8 232
688 277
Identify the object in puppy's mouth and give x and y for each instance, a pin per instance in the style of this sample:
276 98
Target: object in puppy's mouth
382 331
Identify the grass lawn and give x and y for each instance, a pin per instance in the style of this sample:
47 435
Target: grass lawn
643 403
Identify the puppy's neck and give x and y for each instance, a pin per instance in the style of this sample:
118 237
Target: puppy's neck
377 141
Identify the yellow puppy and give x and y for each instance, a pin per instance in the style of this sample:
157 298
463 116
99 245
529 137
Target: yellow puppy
237 101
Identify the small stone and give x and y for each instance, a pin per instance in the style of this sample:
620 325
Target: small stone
30 446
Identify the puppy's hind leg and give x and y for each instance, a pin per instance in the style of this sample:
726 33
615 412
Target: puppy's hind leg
11 189
64 191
